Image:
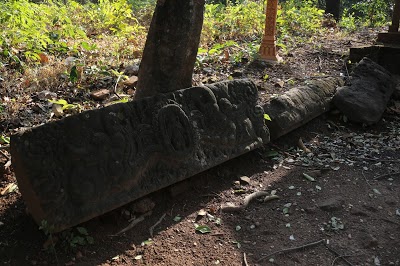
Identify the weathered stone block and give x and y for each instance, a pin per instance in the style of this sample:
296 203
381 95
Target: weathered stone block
72 170
366 94
300 105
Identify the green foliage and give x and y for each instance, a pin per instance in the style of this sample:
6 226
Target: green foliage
46 228
299 18
71 238
243 24
78 237
233 22
348 22
114 16
370 13
31 28
4 139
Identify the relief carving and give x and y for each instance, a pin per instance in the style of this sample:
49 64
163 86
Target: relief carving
85 165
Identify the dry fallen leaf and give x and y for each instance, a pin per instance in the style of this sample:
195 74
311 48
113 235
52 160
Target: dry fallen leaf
9 188
202 212
57 110
302 146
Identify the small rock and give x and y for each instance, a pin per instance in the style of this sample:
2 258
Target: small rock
236 184
331 204
280 84
46 95
69 61
57 110
142 206
131 82
208 70
368 241
310 210
100 95
132 70
245 179
237 74
358 212
38 108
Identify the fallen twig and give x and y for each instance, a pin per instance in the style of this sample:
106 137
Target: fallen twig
246 202
292 249
133 223
338 255
302 146
341 257
390 221
245 260
116 85
385 175
157 223
366 180
5 147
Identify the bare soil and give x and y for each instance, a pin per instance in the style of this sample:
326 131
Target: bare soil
338 204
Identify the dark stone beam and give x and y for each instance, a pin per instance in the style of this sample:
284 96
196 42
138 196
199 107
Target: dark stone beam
72 170
300 105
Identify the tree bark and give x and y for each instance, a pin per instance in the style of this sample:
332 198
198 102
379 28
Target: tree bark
171 47
333 7
396 17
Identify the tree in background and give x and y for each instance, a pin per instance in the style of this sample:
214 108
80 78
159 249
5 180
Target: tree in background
333 7
171 47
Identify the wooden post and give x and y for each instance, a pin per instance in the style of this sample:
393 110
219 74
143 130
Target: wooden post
268 44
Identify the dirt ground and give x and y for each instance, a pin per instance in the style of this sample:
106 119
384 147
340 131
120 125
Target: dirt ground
336 204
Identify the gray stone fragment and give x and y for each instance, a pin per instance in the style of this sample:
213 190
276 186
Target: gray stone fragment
79 167
364 98
331 204
300 105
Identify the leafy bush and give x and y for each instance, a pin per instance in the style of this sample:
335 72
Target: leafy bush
299 19
371 12
29 29
233 22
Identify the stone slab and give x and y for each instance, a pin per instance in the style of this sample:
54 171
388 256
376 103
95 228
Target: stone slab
300 105
387 55
389 37
82 166
366 94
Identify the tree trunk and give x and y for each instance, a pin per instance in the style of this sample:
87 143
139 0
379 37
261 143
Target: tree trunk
171 47
395 17
333 7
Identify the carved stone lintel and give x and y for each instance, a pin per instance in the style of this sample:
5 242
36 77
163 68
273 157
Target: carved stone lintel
72 170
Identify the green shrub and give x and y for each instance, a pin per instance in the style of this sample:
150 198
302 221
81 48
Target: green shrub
31 28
